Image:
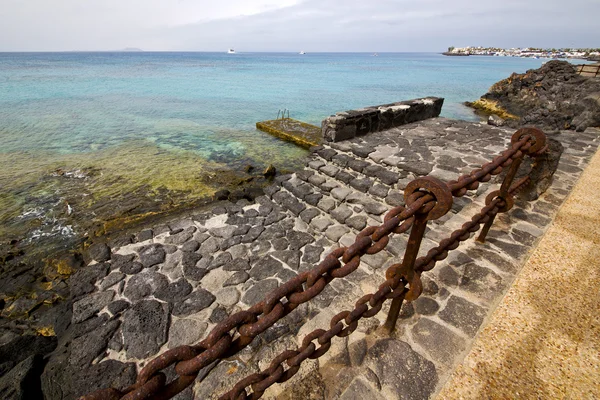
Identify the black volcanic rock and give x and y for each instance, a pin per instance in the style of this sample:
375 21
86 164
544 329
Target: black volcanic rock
553 97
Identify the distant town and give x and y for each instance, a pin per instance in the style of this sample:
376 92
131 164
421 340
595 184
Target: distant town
531 52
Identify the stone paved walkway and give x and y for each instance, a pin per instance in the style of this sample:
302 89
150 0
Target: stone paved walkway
175 282
543 341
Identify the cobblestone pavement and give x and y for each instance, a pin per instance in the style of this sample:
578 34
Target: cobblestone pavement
543 340
177 281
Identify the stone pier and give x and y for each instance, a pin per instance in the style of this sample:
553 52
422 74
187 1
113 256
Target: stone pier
169 285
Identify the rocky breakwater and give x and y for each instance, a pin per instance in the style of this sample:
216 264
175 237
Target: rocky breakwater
553 97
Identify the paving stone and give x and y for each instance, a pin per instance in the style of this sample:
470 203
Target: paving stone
186 332
376 260
326 204
280 244
357 222
253 234
395 198
379 190
182 236
83 280
291 258
174 292
341 213
117 307
362 184
363 150
418 168
341 159
209 246
316 164
170 248
308 214
190 246
442 344
201 237
144 284
388 177
237 278
312 254
313 199
197 301
374 208
196 273
265 267
299 239
238 251
144 328
326 153
334 233
463 314
228 296
131 268
90 305
220 260
329 170
344 176
317 180
218 314
426 306
357 352
401 370
118 260
112 279
329 185
258 291
360 389
321 223
340 193
151 255
482 281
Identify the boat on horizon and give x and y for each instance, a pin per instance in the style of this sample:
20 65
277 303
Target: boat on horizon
302 52
231 51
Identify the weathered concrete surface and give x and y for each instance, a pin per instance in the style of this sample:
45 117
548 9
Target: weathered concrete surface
543 340
291 130
219 262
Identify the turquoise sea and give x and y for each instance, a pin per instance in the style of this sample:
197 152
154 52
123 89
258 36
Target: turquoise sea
81 134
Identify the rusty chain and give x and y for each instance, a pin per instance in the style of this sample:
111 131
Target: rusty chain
427 197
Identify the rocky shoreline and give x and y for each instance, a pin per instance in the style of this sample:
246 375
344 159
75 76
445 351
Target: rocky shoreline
553 97
99 304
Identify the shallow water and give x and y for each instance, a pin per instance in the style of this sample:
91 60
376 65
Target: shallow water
87 137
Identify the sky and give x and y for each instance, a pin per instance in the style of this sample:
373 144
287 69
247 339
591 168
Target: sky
293 25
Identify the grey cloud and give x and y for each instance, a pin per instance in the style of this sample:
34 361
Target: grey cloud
322 25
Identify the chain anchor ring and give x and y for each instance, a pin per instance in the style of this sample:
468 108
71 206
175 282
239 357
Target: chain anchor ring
435 187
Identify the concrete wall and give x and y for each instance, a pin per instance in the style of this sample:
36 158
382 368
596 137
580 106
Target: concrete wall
348 124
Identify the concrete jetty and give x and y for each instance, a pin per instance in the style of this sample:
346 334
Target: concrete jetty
291 130
174 282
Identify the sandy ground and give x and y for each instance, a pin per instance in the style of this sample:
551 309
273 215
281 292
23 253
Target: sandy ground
543 340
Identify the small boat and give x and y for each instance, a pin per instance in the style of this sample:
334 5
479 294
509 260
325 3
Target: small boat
375 54
302 52
231 51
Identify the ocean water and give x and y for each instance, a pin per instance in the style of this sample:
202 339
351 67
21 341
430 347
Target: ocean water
82 134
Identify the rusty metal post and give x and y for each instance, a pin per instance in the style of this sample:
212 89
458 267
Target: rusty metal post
408 263
508 179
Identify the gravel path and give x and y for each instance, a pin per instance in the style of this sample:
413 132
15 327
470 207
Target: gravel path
543 341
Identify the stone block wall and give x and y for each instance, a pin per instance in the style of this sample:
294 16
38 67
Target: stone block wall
348 124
